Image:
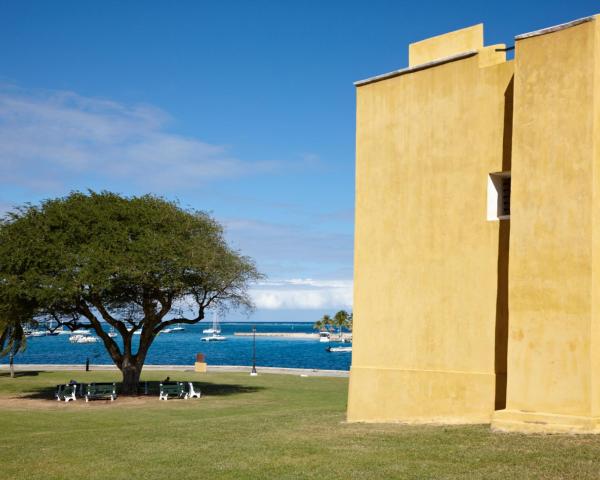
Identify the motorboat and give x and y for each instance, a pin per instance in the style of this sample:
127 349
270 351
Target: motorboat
338 349
324 337
83 338
177 329
37 333
112 333
81 331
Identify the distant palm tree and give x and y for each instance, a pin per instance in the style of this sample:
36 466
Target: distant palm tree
341 321
324 324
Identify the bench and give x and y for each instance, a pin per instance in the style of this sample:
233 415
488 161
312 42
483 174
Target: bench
100 391
173 389
66 392
190 392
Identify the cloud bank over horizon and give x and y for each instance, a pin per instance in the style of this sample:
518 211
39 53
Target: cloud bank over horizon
302 294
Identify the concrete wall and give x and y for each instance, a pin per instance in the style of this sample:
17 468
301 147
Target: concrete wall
554 350
452 43
430 303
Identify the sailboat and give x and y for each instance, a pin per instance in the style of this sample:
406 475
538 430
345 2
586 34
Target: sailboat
112 333
215 330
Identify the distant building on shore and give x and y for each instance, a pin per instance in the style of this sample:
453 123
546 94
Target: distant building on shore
477 257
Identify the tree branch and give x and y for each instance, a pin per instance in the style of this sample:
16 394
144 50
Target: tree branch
109 343
186 321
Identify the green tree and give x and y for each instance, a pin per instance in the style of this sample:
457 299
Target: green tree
138 263
323 324
341 320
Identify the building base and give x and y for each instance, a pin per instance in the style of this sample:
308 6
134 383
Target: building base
200 367
388 395
534 422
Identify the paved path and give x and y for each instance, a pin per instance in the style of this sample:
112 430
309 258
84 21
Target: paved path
188 368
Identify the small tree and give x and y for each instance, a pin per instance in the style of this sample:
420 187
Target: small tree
139 263
12 341
15 315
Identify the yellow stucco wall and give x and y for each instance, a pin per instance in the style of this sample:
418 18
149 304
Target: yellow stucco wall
459 41
554 311
427 262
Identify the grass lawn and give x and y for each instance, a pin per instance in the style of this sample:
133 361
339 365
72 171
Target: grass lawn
270 426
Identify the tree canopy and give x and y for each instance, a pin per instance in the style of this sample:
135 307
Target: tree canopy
131 262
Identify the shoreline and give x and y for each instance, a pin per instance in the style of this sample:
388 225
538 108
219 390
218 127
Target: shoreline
334 337
311 336
309 372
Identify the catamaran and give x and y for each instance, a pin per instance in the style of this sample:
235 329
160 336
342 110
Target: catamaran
215 330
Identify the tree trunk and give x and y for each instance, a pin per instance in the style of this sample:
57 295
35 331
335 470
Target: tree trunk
11 363
131 377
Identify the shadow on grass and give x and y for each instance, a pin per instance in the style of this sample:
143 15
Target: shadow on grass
151 389
21 374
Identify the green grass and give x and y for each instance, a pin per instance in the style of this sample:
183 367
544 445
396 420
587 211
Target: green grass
270 426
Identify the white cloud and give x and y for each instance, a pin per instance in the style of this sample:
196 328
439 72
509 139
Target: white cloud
50 137
304 294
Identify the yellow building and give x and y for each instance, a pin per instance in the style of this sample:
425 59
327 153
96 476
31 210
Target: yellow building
477 212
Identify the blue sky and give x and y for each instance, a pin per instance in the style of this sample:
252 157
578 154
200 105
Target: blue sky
244 109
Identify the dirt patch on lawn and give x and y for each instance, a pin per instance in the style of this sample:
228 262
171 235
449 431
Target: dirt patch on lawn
24 403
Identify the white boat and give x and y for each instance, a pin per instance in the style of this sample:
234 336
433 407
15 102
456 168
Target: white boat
81 331
211 330
137 332
324 337
339 349
215 329
177 329
214 338
37 333
112 333
166 330
82 338
64 331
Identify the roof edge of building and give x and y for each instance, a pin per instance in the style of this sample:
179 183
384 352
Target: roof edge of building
416 68
555 28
